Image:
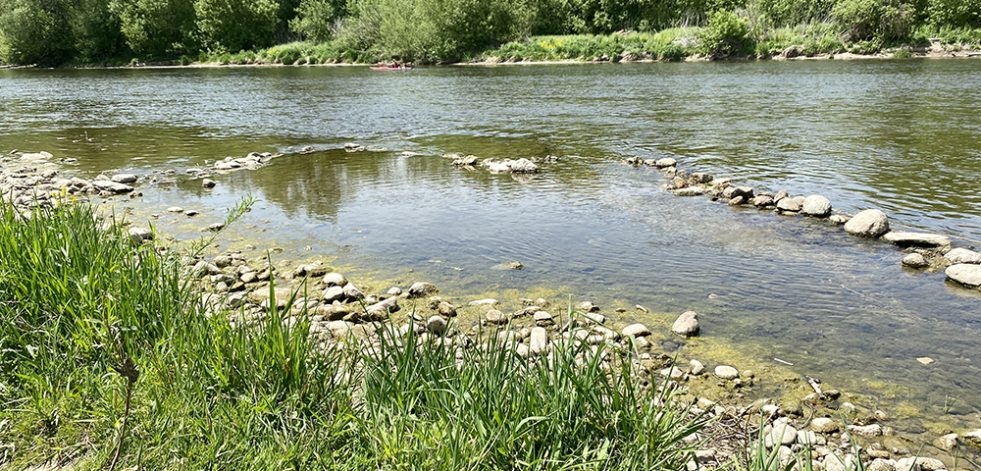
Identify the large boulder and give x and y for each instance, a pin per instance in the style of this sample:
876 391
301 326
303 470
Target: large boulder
817 206
917 239
965 274
868 223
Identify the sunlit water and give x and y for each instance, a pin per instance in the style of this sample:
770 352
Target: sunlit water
903 136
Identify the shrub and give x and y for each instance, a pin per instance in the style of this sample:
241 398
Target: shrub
315 19
234 25
157 28
873 19
726 34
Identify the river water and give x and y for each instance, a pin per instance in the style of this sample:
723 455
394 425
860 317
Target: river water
903 136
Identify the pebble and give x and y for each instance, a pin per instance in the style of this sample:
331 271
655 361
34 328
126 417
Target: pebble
780 433
824 425
436 325
925 360
496 317
175 209
421 289
543 318
334 279
483 302
868 431
695 367
124 178
140 234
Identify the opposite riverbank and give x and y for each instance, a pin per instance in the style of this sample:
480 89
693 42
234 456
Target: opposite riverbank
337 313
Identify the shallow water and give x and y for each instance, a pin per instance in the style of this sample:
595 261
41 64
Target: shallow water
904 136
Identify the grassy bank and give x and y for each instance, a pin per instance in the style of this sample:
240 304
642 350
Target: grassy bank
674 44
110 360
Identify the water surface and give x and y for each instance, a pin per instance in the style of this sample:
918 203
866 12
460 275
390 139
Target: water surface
904 136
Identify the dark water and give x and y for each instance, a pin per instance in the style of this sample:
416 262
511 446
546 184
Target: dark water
903 136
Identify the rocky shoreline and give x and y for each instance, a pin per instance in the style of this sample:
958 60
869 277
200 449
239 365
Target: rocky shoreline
925 251
343 314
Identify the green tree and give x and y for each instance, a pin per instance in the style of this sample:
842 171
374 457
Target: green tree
726 34
315 19
236 25
958 13
157 28
35 32
95 30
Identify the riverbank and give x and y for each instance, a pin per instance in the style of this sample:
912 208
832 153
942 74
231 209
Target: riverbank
363 307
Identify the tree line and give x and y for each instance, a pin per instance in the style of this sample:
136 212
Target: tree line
53 32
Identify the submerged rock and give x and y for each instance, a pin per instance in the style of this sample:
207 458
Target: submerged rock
124 178
726 372
816 206
521 165
111 186
690 191
917 239
868 223
686 324
838 219
965 274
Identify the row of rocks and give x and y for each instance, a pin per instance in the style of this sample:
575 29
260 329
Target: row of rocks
31 179
931 251
252 161
512 166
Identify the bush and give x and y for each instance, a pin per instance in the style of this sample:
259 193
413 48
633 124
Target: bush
235 25
157 28
35 32
873 19
956 13
315 19
725 35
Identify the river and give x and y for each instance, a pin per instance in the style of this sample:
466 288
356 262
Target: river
903 136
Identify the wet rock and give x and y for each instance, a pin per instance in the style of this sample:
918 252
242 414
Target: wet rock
587 306
421 289
947 442
762 201
726 372
965 274
737 200
636 330
731 192
672 372
816 206
208 183
868 223
824 425
191 213
311 270
690 191
352 293
915 260
112 187
838 219
124 178
216 226
677 183
465 161
665 162
696 368
511 166
962 255
789 205
916 239
595 318
140 234
538 340
436 325
514 265
335 279
867 431
686 324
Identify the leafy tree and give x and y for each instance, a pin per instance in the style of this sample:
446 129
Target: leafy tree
157 28
236 25
34 32
95 30
315 19
957 13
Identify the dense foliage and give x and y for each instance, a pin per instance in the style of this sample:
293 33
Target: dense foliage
52 32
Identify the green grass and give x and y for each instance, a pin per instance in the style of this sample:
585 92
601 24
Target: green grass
88 320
